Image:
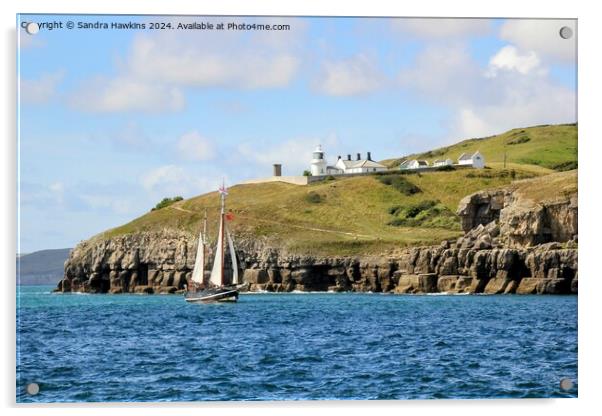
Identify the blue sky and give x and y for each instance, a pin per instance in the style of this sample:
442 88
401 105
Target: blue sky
111 121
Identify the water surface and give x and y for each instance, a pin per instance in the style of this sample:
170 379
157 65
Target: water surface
293 347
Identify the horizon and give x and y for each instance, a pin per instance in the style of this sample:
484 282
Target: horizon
106 132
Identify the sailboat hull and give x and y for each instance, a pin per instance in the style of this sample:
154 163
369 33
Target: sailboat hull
213 295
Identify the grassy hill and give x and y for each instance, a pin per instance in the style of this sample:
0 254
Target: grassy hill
539 148
367 214
372 214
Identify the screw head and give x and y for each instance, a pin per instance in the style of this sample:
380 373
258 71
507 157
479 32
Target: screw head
32 28
566 384
32 389
566 32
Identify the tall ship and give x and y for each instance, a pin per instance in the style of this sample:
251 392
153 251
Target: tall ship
217 288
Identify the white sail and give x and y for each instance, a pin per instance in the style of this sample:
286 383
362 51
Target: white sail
218 267
235 280
199 262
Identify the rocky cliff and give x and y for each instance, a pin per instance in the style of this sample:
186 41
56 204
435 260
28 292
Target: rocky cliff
513 243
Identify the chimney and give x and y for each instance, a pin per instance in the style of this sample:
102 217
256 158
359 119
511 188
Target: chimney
369 156
358 156
348 157
277 169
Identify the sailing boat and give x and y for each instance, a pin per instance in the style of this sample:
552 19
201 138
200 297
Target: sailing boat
217 290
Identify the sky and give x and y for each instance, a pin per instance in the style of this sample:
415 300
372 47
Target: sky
110 121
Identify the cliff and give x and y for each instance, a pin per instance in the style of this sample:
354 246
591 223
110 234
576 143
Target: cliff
520 238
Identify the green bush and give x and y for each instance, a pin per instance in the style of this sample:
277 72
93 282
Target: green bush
519 140
313 197
426 213
165 202
445 168
306 173
564 166
394 210
400 183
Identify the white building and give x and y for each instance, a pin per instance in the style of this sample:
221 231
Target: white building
443 162
359 165
318 163
476 160
319 166
413 164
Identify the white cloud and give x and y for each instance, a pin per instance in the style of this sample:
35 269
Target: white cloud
193 146
126 94
40 90
510 59
541 36
202 62
159 65
443 28
520 94
172 180
353 76
294 154
445 74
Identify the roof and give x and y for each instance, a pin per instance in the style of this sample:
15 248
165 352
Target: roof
404 163
349 163
422 162
368 164
466 156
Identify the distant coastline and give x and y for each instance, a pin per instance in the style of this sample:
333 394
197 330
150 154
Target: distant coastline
43 267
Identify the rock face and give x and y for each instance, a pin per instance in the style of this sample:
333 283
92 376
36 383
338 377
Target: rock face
162 263
508 247
522 223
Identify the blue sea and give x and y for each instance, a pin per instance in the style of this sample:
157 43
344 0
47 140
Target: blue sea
98 348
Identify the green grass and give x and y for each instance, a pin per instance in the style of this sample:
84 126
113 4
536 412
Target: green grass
548 147
381 212
347 216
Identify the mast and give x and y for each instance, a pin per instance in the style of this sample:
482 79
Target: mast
235 279
223 193
217 273
204 244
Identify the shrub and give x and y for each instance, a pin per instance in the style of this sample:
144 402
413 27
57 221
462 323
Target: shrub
426 213
306 173
400 183
165 202
313 197
519 140
564 166
445 168
394 210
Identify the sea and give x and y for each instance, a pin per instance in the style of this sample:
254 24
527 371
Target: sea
293 346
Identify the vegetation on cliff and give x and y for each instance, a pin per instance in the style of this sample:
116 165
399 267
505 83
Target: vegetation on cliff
377 213
538 148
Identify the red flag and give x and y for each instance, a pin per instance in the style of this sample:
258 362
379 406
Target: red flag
229 216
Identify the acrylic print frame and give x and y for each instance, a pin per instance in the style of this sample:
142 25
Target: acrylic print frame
233 208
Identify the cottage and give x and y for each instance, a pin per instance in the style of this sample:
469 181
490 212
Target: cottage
414 164
404 165
443 162
344 166
476 160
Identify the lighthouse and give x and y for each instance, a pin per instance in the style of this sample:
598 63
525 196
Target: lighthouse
318 163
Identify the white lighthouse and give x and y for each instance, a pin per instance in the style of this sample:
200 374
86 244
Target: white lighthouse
318 163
